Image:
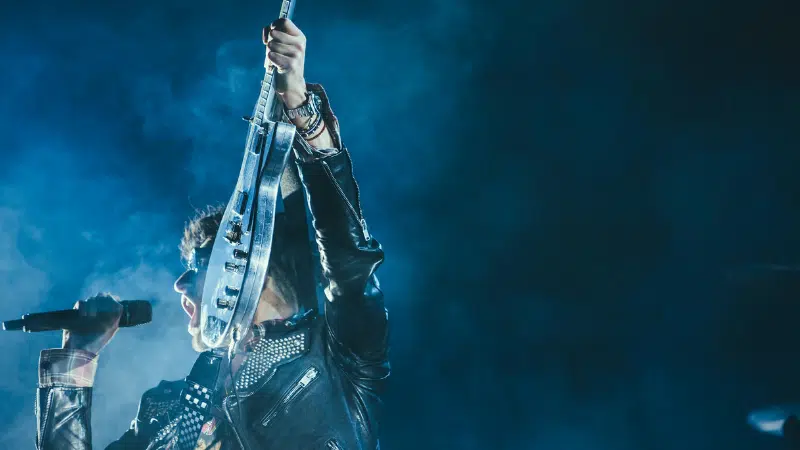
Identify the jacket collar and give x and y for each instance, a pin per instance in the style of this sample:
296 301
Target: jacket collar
279 326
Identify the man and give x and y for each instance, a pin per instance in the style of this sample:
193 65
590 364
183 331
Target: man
308 381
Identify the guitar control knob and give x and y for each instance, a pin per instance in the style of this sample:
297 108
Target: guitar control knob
231 267
234 233
225 303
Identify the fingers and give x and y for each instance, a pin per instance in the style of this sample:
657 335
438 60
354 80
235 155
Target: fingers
285 46
299 42
283 49
286 26
102 303
282 62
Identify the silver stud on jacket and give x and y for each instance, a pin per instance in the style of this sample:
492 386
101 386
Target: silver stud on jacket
266 354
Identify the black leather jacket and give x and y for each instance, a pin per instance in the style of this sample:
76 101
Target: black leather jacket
328 398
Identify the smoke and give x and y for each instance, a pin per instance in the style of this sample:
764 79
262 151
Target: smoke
77 218
23 286
558 186
138 358
75 232
206 113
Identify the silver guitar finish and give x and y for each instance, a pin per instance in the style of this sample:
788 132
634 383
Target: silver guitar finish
239 259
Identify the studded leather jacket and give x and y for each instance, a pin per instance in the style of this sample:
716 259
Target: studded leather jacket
312 382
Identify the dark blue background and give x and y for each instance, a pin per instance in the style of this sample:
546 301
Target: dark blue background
586 206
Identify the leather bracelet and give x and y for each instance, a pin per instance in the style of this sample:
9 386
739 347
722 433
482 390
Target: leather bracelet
321 129
311 129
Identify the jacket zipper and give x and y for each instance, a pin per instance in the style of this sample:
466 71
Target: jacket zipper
309 376
358 197
225 405
43 431
359 214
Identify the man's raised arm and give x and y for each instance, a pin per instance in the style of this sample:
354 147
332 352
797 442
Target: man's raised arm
354 310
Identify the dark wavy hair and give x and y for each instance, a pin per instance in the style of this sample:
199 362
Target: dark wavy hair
203 228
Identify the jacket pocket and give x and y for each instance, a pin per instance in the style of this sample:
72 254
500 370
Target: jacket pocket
296 389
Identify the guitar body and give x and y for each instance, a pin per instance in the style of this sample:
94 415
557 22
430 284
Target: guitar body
239 260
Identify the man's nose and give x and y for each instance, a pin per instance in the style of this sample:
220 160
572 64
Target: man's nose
184 282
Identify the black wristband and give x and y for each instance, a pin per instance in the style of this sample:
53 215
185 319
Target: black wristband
311 129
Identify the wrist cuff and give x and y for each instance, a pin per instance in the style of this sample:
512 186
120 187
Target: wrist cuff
67 367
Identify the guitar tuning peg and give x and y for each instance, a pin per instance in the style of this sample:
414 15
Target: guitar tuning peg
247 118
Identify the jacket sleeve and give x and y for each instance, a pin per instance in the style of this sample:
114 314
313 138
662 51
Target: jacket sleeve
64 402
63 418
355 313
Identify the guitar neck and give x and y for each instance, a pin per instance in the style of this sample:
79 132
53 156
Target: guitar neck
268 107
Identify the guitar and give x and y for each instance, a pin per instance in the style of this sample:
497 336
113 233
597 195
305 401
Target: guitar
267 185
240 256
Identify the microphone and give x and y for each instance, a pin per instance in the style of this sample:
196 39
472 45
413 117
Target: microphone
134 312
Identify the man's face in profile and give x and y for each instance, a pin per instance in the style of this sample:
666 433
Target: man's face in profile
190 286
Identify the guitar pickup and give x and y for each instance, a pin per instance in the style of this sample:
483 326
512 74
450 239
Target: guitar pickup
231 292
239 254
